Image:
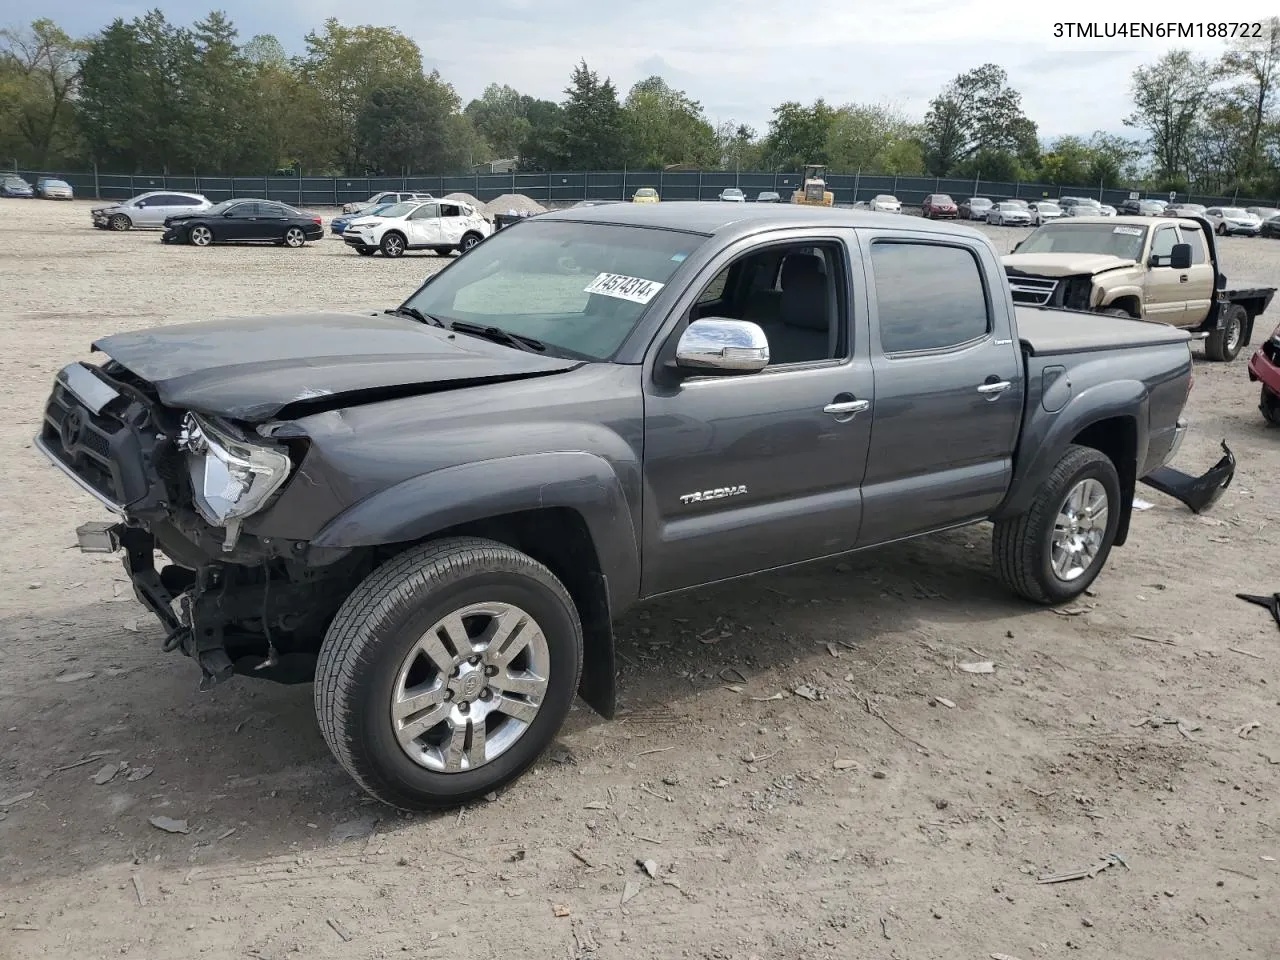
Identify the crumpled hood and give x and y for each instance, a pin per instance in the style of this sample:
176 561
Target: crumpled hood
250 369
1063 264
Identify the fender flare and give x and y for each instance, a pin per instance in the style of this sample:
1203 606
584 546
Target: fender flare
1044 447
1110 296
420 506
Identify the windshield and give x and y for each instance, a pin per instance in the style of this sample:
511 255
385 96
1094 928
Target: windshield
1009 207
1121 241
218 208
645 192
979 202
1049 208
393 209
885 198
579 287
942 198
1233 212
731 192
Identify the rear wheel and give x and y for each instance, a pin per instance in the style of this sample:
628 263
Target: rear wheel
1269 404
1051 553
200 236
392 245
294 237
119 222
447 672
469 240
1225 342
1222 229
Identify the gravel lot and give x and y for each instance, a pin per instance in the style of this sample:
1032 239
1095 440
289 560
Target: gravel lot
873 822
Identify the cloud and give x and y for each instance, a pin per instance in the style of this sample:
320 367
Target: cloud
739 58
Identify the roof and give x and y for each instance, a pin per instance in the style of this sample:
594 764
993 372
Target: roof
1136 221
714 216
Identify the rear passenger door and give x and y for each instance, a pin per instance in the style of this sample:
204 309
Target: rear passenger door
948 382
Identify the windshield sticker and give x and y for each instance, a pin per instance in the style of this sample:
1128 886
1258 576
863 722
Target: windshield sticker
635 289
678 257
1129 231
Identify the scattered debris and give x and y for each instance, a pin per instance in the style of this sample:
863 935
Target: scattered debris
1069 611
884 928
339 929
879 775
732 675
776 696
559 910
73 677
169 825
1002 956
654 793
833 650
137 889
1140 504
883 719
353 830
17 798
225 833
949 704
1184 727
845 764
595 805
140 773
1245 729
751 757
629 892
648 866
1246 653
1167 642
1110 860
1239 873
645 753
809 693
582 859
982 666
1272 603
108 773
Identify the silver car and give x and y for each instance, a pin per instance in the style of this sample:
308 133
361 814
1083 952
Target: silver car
1007 213
387 196
148 211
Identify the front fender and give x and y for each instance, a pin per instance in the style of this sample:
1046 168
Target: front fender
1107 295
1046 437
420 506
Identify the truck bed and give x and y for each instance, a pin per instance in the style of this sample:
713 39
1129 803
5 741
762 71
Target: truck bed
1046 332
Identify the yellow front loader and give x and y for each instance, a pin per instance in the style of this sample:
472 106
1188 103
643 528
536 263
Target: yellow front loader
813 191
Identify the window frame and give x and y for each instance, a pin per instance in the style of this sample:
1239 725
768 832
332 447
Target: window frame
1177 237
927 241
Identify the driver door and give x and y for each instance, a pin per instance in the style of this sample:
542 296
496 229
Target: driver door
238 223
1165 298
423 226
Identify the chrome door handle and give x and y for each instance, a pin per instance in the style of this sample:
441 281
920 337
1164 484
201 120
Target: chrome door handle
848 407
995 388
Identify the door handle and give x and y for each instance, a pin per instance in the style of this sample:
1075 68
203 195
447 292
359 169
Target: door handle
1182 279
994 390
846 407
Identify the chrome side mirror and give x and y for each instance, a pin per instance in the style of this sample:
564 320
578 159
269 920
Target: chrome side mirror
718 343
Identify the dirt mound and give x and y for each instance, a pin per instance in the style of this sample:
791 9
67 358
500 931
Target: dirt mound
513 201
466 198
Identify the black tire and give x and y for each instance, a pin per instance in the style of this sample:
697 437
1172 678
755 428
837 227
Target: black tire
1225 342
1118 312
1222 229
1022 546
366 251
392 245
1269 404
119 222
379 624
469 240
294 237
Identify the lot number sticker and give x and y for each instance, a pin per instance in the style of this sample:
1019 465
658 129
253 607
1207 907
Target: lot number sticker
635 289
1129 231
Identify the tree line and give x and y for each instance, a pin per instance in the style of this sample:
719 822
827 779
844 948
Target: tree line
148 95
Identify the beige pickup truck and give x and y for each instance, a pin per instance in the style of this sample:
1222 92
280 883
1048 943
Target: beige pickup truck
1164 269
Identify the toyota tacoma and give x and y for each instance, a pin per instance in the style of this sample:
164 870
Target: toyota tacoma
438 511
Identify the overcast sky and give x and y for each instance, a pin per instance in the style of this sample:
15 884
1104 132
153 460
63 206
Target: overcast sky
738 57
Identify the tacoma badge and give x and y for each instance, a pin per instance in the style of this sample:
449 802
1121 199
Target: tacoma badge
719 493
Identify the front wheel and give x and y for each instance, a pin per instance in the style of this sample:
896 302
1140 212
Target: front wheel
1269 404
119 222
1054 551
392 245
1222 229
447 672
200 236
1225 342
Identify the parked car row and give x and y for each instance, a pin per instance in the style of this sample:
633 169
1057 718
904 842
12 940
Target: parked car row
46 188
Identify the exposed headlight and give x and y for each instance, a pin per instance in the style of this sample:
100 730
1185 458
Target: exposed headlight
231 477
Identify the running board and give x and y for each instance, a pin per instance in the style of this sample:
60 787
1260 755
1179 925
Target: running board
1198 493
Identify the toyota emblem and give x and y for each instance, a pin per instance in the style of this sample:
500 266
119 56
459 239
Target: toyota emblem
72 423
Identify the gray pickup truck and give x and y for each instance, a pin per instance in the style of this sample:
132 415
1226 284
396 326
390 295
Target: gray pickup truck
437 512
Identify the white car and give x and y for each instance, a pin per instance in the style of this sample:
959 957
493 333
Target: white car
1044 211
387 196
886 203
733 195
439 225
1227 220
1108 210
1007 214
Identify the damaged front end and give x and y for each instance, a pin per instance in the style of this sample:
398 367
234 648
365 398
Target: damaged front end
182 486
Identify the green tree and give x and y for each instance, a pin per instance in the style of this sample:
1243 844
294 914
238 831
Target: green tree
541 148
591 130
222 102
40 67
874 138
1252 66
415 127
739 147
977 111
345 65
798 134
500 116
990 163
665 126
1169 97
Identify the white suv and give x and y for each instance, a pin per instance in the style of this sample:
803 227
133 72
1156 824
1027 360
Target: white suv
439 225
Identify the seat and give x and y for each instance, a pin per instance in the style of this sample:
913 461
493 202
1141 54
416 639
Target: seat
803 329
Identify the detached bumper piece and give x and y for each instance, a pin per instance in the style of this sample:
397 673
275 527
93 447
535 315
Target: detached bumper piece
1272 603
1198 493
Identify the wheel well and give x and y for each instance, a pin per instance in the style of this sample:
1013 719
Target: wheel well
559 538
1117 439
398 233
1126 303
1253 306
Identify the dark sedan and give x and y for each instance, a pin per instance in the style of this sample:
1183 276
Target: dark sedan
1270 227
244 221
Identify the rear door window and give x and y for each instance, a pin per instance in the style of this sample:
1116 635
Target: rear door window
929 296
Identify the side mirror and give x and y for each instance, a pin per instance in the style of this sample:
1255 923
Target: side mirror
724 345
1180 258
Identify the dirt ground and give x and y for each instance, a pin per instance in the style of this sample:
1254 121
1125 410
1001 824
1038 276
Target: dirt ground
860 817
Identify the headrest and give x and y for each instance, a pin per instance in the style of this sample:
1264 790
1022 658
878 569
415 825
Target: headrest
798 266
